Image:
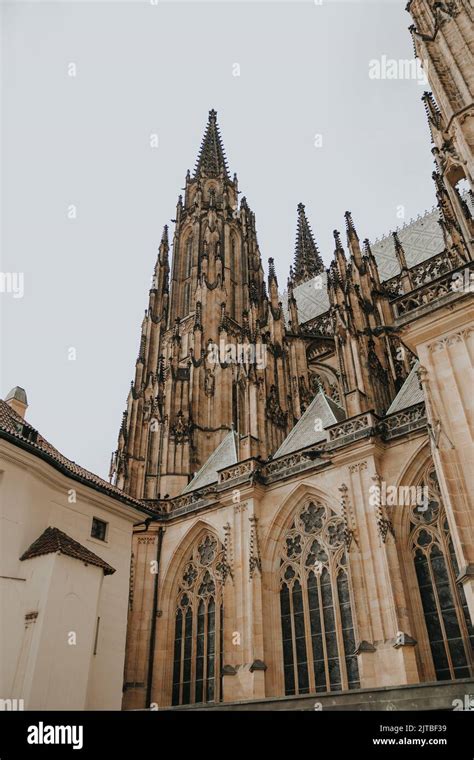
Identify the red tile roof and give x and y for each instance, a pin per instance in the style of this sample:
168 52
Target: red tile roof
53 540
15 428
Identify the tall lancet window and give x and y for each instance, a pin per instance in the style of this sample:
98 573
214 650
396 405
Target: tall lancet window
197 665
188 261
186 298
233 276
446 616
189 257
315 601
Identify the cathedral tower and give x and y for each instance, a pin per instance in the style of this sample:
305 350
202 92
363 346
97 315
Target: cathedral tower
443 36
211 347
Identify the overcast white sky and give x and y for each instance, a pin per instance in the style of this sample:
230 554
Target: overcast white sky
85 140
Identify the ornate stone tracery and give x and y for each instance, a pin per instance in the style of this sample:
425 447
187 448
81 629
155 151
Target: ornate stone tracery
315 598
447 624
197 663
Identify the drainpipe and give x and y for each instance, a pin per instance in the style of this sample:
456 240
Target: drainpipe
151 650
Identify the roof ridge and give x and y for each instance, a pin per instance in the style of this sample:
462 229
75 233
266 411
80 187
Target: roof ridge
397 404
53 540
295 430
10 422
330 401
413 220
230 435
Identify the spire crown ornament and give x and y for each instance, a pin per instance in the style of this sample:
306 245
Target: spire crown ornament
211 160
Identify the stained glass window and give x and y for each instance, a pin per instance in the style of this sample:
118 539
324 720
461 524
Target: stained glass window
198 642
446 615
315 603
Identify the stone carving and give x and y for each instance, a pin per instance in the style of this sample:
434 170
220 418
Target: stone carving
411 418
323 325
273 409
209 382
181 428
358 467
347 516
255 562
433 291
450 340
354 425
304 393
384 523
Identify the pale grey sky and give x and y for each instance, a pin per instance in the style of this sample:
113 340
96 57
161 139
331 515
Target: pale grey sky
85 140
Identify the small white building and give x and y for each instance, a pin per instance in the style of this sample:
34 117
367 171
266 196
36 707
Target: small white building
65 548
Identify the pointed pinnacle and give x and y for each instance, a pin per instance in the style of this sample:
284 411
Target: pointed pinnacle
308 261
211 159
399 251
396 240
367 248
432 111
351 230
337 240
271 270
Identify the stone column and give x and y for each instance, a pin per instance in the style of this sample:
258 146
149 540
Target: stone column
385 649
442 335
244 667
447 379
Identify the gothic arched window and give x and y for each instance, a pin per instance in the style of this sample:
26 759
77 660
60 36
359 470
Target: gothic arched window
233 277
315 600
187 297
232 258
448 625
198 641
188 257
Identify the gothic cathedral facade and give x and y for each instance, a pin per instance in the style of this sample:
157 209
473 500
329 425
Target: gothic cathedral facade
308 456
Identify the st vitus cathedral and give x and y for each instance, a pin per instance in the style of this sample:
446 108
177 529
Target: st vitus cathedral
281 442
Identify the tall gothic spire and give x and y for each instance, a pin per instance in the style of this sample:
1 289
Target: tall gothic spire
211 160
308 261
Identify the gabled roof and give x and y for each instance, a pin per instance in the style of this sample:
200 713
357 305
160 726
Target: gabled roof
421 239
53 541
15 429
224 455
311 300
410 393
304 434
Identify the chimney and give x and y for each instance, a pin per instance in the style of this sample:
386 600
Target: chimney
17 400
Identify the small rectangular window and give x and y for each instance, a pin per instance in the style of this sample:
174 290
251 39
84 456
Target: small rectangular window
99 529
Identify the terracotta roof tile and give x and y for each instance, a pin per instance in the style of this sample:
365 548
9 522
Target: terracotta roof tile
53 540
16 427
